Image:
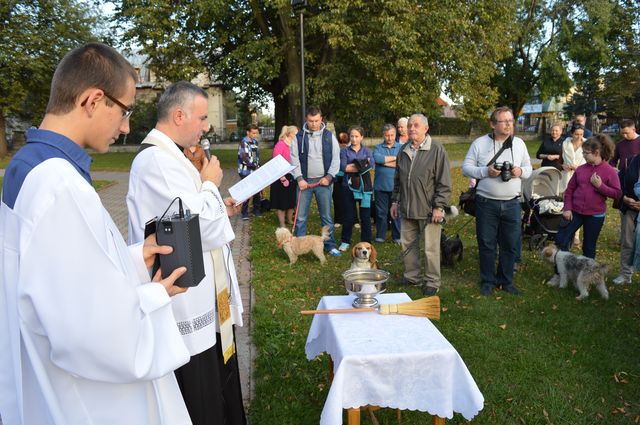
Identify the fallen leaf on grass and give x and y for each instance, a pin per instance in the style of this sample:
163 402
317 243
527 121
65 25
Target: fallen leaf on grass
617 410
498 298
619 378
444 309
544 412
578 410
503 326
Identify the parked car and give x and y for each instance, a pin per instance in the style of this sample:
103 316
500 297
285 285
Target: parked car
531 128
613 128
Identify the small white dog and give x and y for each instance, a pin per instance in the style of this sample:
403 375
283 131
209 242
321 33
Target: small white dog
298 245
583 271
364 256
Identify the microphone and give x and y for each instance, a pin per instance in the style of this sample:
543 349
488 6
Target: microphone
205 146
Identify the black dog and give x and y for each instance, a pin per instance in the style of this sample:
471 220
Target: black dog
450 249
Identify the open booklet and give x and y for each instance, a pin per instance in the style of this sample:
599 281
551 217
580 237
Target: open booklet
260 178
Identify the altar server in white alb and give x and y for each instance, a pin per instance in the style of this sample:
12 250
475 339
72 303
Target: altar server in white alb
85 337
160 172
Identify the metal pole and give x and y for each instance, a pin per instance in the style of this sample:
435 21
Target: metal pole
302 87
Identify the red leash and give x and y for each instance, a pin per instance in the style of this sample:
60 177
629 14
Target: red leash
295 214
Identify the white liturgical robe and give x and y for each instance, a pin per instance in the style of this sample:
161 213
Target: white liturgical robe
158 175
82 340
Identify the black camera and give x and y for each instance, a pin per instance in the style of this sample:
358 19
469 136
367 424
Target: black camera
505 171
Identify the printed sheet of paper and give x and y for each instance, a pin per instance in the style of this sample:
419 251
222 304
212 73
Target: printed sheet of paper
260 178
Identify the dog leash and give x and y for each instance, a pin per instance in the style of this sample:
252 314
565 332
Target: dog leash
463 225
295 214
404 252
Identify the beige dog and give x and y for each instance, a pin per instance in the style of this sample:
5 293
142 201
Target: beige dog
364 256
299 245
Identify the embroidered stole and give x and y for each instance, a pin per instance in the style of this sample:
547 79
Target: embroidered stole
220 276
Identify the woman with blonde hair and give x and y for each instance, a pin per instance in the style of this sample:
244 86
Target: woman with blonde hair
283 191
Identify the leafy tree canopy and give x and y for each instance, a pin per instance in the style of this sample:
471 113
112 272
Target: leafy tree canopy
34 36
362 58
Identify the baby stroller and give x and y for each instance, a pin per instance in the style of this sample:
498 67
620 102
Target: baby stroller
542 206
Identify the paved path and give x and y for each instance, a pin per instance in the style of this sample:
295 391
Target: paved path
113 198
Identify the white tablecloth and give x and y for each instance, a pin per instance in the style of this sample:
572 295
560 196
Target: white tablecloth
392 361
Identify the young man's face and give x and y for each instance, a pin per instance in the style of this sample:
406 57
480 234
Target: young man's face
252 134
628 133
314 122
111 123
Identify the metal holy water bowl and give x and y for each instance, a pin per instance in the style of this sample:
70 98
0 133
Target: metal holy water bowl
365 284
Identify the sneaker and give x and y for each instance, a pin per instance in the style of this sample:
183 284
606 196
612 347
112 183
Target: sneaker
343 247
337 226
429 291
357 225
621 280
397 242
511 289
486 290
335 253
245 217
379 240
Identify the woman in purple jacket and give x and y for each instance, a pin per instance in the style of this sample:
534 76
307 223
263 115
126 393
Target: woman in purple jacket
586 195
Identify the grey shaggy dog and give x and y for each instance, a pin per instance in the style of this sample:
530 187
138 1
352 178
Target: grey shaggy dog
583 271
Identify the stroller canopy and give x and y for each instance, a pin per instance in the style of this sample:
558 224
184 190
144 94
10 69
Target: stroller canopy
544 182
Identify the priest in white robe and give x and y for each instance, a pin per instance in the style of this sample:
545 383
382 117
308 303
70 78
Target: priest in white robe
160 172
86 337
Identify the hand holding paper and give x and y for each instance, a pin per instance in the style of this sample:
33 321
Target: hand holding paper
259 179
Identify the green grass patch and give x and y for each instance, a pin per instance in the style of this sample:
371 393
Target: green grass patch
101 184
540 358
121 161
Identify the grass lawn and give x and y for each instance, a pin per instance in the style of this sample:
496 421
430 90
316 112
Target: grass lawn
101 184
539 358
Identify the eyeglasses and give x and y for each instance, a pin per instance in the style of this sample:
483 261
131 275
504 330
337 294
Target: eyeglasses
126 110
585 153
505 121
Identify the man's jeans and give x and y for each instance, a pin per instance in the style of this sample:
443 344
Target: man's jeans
497 225
323 199
245 204
383 203
591 230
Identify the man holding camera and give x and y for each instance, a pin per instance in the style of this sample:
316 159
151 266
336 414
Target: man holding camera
498 211
421 190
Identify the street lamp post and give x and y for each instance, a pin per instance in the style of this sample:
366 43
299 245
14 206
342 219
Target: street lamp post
299 6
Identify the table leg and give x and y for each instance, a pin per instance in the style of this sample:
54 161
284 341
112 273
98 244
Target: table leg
437 420
353 416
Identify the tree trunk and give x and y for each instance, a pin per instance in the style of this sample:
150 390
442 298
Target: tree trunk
281 113
3 135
